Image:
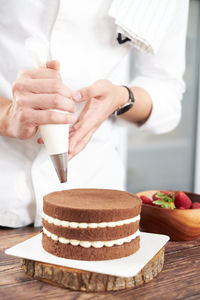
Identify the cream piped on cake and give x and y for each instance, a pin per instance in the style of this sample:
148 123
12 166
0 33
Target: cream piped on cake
66 224
91 224
95 244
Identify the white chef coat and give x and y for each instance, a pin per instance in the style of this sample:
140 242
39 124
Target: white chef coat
82 36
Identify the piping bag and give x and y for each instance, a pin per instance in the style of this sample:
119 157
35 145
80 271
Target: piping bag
55 136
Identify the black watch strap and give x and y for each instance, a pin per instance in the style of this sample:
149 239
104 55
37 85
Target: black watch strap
127 105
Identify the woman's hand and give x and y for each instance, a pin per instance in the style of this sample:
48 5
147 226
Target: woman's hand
103 98
36 92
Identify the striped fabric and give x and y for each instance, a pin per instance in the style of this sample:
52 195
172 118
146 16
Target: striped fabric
145 22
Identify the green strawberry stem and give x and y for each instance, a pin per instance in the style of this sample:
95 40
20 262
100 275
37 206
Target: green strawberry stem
168 198
165 201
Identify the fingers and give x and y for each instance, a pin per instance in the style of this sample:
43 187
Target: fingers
40 96
42 117
98 107
87 120
46 101
41 81
96 90
43 89
52 71
93 114
80 130
80 135
54 64
40 141
40 86
39 73
85 93
75 148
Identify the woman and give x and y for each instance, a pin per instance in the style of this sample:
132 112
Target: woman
90 51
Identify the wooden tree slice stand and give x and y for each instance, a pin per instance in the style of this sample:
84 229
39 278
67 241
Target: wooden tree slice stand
86 281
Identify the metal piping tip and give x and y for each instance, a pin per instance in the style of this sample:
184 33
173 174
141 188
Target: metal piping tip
60 165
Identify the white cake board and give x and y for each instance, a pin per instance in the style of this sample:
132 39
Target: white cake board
129 266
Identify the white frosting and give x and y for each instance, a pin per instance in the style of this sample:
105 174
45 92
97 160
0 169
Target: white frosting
63 223
73 225
58 222
95 244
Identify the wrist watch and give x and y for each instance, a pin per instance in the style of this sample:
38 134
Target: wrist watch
124 108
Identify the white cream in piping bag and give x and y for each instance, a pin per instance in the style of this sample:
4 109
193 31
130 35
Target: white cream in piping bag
55 136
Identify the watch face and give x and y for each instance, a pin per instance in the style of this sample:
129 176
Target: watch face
126 106
124 109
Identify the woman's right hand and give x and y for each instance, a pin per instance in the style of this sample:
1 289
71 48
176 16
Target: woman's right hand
36 93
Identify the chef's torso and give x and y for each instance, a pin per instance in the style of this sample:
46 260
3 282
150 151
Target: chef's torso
82 37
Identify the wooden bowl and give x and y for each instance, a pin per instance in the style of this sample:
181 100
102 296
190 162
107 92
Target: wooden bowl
178 224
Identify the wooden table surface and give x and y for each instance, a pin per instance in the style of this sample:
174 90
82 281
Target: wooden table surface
180 278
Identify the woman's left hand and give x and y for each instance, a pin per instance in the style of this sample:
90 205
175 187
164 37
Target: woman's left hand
103 98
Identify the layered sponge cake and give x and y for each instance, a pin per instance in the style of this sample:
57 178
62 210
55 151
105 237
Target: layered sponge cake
91 224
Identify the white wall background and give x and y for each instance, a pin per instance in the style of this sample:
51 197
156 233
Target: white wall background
167 161
197 160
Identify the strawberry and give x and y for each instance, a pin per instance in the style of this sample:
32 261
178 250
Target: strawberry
195 205
146 200
154 197
182 200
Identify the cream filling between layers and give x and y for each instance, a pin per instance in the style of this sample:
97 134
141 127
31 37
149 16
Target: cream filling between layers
95 244
62 223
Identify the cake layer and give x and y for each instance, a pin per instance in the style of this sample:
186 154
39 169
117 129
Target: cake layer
91 205
93 234
81 253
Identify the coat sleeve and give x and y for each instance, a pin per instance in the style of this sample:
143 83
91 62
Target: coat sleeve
161 75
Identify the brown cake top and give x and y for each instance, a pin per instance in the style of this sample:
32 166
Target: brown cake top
91 205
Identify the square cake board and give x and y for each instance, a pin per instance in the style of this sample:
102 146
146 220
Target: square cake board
131 267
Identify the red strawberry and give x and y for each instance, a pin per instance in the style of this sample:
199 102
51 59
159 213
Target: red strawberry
146 200
195 205
182 200
154 197
181 207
